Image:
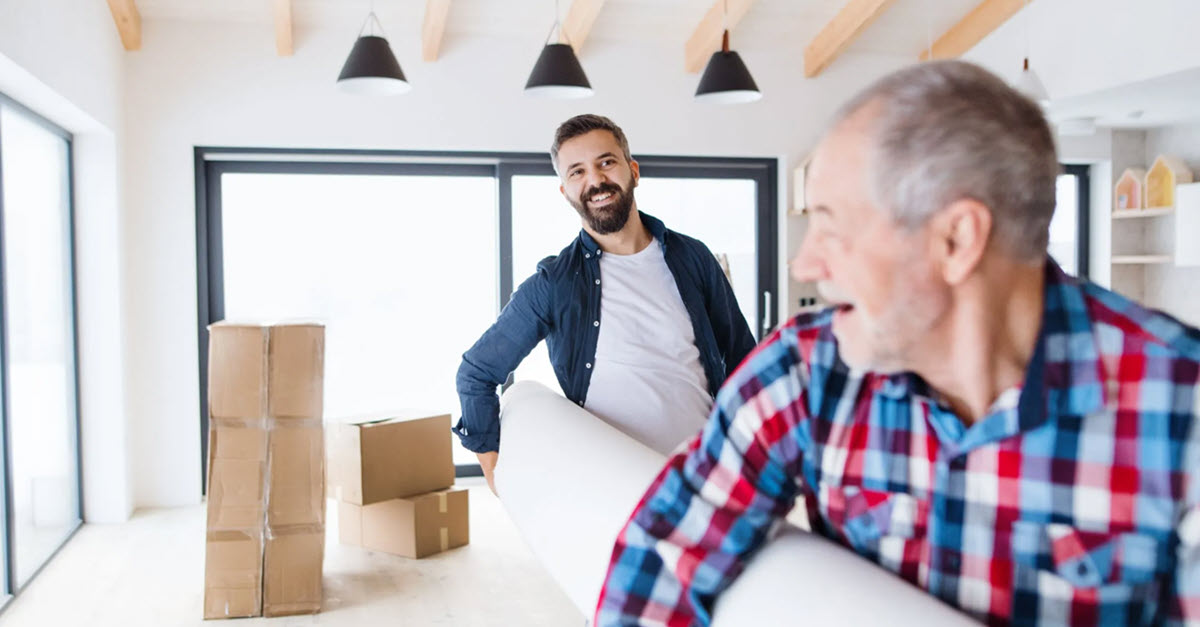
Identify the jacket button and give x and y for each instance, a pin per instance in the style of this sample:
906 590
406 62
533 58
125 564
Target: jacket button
588 366
596 323
597 281
587 255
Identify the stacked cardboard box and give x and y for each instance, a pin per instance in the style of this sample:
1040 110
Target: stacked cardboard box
390 475
266 470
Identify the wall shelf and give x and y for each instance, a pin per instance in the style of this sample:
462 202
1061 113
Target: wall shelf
1122 214
1141 259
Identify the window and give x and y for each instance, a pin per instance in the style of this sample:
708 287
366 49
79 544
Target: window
408 257
719 211
1069 227
38 376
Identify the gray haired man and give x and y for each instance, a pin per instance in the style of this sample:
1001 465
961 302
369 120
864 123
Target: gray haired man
1019 443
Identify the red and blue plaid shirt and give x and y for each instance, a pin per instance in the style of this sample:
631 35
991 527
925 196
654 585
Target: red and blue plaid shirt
1074 500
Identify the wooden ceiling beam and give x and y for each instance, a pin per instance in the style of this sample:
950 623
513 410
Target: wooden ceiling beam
840 32
283 28
578 24
434 28
129 22
986 17
706 39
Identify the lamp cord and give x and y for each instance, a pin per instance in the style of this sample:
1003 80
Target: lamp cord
371 17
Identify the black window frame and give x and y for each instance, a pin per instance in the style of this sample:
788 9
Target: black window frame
1083 185
210 162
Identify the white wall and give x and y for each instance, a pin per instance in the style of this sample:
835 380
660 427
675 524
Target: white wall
62 58
1082 46
221 84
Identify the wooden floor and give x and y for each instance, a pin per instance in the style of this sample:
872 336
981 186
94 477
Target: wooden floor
150 572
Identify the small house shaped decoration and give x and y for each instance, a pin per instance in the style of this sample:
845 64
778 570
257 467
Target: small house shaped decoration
1127 193
1161 179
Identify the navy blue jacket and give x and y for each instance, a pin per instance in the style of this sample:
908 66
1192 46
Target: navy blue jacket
561 303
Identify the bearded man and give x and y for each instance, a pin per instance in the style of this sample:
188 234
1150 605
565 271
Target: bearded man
641 323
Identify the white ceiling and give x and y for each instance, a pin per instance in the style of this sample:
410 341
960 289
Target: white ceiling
904 29
1170 99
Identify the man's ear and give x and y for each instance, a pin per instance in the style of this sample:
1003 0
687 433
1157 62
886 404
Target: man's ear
637 174
960 235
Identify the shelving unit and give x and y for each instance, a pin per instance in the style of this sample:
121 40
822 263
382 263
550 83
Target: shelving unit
1125 214
794 228
1146 260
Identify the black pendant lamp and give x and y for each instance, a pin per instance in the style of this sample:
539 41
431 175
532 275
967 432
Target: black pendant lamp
726 79
371 67
557 73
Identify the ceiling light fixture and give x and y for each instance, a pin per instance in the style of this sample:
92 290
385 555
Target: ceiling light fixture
726 79
1028 82
557 73
371 67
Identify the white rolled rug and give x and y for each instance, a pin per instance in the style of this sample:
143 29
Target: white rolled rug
569 482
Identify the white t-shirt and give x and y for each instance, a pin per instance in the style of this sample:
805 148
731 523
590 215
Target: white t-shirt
647 379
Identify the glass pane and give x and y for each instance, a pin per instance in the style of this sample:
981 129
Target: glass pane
41 358
542 224
718 212
1064 229
402 270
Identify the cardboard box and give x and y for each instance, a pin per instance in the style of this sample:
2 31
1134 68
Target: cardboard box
292 571
237 460
296 372
296 487
237 370
411 527
233 574
256 371
266 487
390 456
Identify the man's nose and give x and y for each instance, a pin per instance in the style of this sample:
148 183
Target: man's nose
809 263
595 178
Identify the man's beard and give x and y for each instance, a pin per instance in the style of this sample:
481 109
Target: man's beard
610 218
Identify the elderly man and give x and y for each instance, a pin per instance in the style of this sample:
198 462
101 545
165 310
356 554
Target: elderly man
1015 441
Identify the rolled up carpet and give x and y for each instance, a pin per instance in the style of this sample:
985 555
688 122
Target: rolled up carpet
569 482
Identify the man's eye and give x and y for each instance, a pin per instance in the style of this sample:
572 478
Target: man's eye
608 162
576 172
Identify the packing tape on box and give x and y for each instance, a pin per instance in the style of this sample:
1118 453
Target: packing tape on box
441 502
245 423
570 518
317 503
288 423
444 537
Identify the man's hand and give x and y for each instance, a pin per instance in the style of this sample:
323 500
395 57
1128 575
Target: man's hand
487 461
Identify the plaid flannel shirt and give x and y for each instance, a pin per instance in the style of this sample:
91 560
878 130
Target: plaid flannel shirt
1073 501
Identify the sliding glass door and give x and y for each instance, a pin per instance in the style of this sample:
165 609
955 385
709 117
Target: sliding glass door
409 257
399 262
37 343
717 207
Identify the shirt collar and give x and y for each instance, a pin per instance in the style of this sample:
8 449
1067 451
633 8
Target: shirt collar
1074 373
1067 356
656 227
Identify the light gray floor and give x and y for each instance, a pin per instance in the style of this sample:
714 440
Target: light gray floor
150 572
